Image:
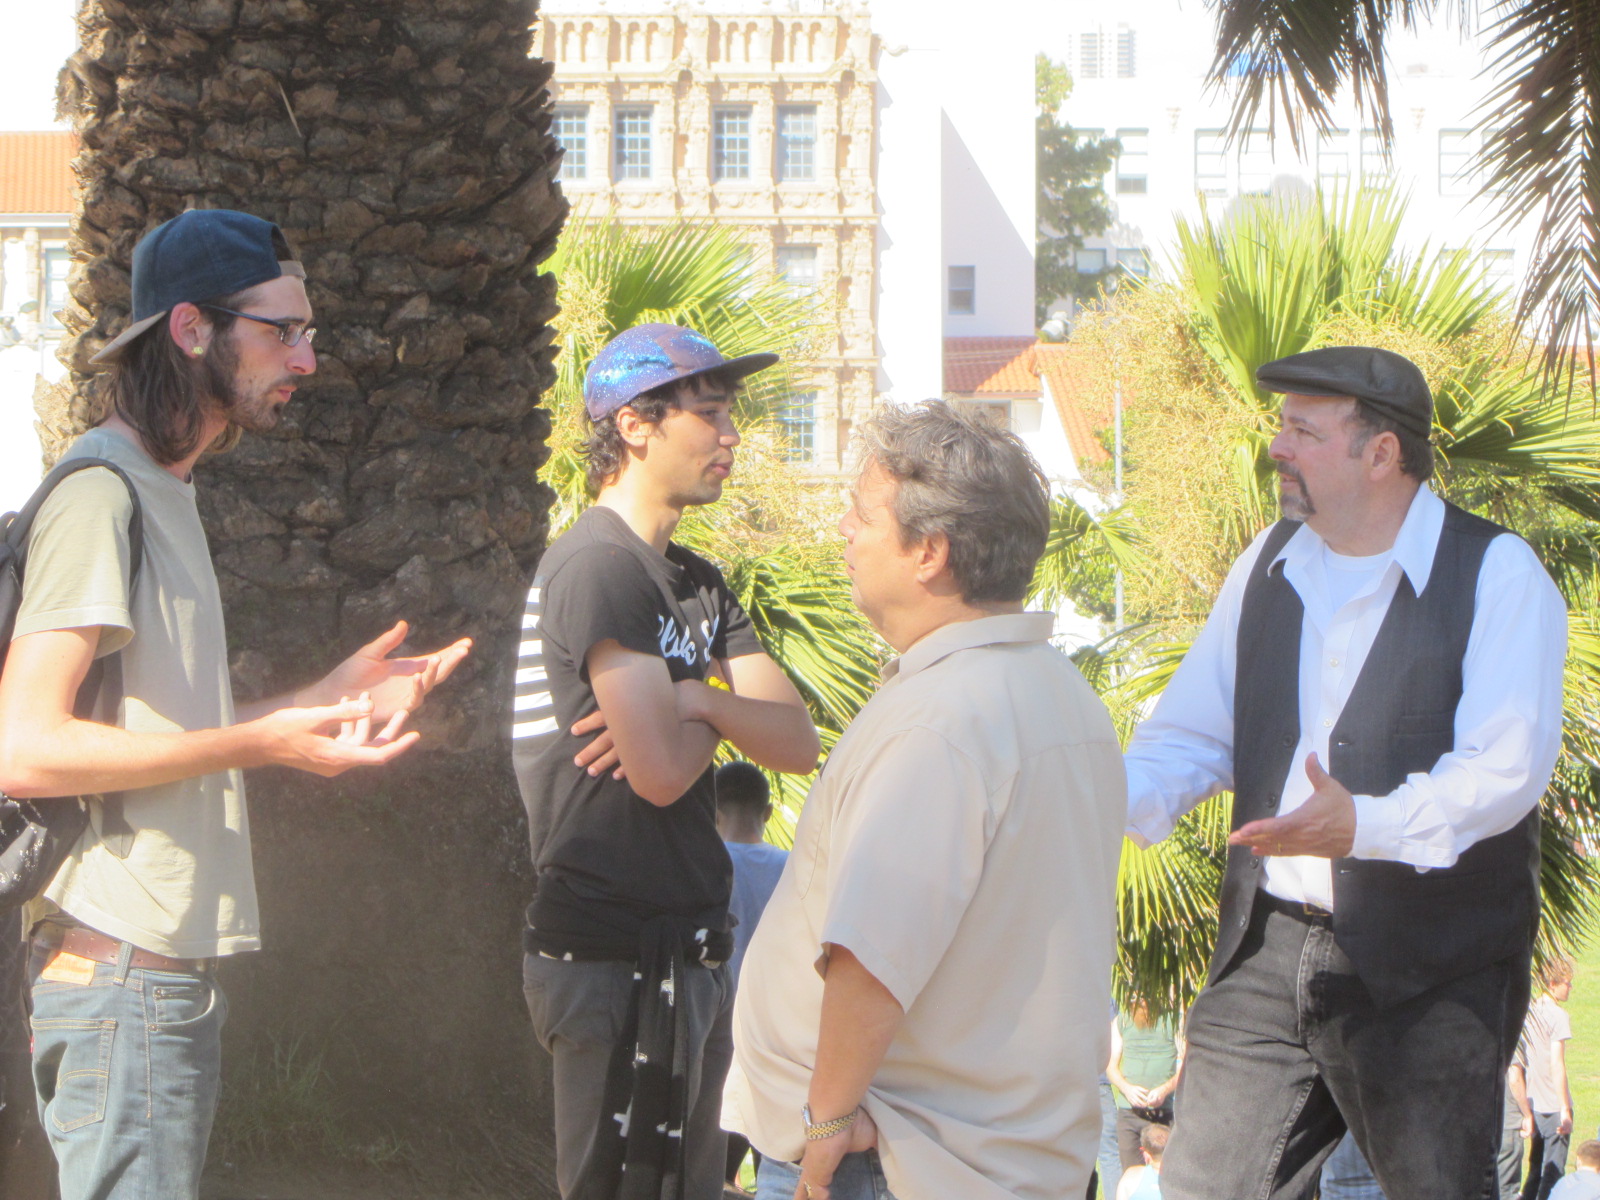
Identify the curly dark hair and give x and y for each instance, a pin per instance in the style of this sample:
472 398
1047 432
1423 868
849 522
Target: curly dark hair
604 451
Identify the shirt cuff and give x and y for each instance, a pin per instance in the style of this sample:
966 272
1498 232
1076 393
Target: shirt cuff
1378 827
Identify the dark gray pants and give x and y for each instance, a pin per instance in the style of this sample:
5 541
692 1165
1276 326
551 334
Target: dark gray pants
578 1009
1547 1157
1287 1049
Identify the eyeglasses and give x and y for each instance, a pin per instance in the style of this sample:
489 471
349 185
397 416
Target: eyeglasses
290 329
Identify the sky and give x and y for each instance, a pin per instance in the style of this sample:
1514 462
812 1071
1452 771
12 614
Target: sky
40 35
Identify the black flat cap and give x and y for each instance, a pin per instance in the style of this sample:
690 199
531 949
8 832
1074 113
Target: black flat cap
1385 382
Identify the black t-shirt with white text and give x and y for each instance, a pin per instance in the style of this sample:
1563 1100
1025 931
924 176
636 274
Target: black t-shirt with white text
605 859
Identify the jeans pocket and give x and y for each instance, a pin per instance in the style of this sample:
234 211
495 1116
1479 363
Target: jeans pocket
177 1001
83 1071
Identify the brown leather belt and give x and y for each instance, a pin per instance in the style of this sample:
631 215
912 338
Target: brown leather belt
97 947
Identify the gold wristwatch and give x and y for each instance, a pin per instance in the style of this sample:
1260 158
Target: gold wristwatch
827 1129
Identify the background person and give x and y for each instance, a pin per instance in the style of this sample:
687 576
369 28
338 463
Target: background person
744 807
1146 1060
1584 1183
1142 1180
1544 1048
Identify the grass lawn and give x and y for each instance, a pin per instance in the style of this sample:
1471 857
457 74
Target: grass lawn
1583 1052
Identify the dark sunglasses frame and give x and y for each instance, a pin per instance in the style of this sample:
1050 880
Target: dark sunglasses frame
290 329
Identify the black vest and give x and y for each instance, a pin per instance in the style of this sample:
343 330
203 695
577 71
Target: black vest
1404 930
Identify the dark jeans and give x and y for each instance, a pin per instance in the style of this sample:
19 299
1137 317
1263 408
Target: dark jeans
1287 1049
578 1009
1547 1156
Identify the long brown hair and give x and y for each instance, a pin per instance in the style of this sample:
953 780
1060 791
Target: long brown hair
165 394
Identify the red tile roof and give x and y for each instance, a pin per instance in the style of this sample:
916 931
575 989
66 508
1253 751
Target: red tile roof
990 366
36 172
1083 402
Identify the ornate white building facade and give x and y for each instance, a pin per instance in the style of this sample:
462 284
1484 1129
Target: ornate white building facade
765 123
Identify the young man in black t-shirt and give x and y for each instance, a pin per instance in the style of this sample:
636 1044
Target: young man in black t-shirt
636 660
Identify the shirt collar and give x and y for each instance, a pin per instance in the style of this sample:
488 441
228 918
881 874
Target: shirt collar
1414 545
965 635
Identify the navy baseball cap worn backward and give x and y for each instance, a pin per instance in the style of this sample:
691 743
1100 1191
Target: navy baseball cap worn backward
200 255
1387 383
648 356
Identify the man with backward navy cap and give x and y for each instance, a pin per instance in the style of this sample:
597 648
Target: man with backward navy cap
126 1008
635 661
1379 685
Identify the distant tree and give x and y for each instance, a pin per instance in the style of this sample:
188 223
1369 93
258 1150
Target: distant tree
1072 196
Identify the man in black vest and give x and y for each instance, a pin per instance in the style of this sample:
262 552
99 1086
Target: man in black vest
1379 685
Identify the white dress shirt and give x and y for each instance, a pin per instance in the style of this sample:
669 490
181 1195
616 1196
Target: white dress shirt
1507 725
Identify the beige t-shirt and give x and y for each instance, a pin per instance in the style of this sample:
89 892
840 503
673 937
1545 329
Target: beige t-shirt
182 883
962 842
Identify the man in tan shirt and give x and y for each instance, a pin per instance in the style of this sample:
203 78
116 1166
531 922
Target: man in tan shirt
922 1009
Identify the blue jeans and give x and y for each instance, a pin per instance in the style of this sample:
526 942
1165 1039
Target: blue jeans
859 1177
126 1067
1108 1158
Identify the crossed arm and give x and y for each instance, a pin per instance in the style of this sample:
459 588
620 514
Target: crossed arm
325 729
661 735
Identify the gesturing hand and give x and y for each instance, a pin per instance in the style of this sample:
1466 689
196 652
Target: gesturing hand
395 684
331 739
1323 827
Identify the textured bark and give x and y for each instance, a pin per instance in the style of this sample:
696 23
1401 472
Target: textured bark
403 146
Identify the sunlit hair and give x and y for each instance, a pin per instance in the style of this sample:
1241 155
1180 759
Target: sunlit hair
965 477
1556 971
1416 453
165 394
603 449
1153 1140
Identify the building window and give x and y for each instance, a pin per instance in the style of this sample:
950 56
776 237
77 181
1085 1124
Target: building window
730 143
1089 55
1210 162
1133 164
57 264
633 142
1125 54
797 266
1133 261
1375 165
572 131
1255 163
962 292
1500 269
1333 158
1090 260
797 141
1455 162
798 421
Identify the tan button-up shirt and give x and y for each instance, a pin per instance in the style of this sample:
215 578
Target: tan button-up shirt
962 842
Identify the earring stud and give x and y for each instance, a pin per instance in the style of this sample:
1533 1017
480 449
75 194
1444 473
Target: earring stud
198 351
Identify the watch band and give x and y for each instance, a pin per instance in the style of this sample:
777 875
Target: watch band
815 1131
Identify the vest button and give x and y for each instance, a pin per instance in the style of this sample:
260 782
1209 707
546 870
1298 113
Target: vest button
1243 921
1254 861
1288 739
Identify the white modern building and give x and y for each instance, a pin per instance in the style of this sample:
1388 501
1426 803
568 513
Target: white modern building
1139 71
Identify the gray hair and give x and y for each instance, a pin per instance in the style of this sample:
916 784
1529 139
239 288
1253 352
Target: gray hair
965 477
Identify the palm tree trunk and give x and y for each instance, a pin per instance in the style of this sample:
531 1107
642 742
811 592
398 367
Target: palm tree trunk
404 147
